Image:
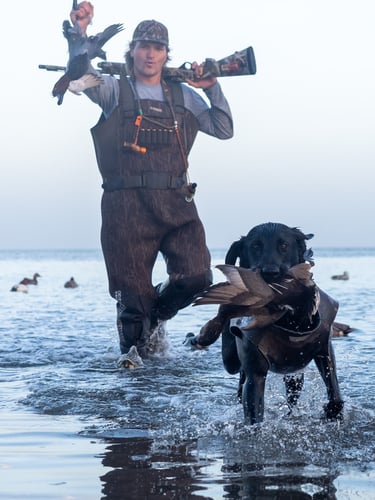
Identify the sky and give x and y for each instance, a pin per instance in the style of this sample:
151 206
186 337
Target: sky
303 150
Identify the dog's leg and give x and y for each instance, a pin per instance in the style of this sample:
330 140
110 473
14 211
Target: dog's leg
229 353
327 368
293 386
253 398
241 382
254 369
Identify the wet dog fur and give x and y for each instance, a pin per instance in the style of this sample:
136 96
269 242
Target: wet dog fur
272 248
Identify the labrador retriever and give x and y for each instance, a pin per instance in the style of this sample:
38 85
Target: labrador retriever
289 344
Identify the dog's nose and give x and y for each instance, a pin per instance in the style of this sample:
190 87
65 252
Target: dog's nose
270 272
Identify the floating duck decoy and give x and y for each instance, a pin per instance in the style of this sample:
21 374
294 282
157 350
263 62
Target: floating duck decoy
344 276
71 283
341 329
131 359
19 288
31 281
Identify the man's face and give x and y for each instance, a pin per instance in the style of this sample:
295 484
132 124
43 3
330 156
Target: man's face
149 59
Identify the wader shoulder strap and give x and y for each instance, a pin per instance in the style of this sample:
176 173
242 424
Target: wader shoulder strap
175 89
128 99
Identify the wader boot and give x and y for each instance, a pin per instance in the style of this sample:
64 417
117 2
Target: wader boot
134 330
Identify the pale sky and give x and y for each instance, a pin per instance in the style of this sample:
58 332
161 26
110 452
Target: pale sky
303 150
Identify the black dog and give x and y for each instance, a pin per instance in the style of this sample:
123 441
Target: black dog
287 345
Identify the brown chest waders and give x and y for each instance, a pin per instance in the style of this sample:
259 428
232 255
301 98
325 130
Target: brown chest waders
144 211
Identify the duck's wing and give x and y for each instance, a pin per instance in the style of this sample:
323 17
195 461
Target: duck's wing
302 272
108 33
226 293
95 43
243 288
248 281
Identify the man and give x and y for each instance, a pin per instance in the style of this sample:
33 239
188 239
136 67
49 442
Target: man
142 142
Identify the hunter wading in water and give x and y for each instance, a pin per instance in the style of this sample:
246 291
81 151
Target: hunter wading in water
142 142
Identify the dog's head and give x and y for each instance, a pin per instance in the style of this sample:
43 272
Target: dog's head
272 248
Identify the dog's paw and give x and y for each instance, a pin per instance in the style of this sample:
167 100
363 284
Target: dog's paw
334 411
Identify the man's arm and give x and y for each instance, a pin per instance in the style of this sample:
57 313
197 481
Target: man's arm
106 94
216 119
220 121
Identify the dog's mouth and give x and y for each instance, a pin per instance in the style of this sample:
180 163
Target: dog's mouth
272 272
270 277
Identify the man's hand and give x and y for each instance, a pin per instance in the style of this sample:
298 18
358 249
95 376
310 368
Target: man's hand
83 15
199 82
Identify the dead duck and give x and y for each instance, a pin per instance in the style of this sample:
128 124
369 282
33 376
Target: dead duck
247 294
82 49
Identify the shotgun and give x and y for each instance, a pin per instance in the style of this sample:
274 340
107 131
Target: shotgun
236 64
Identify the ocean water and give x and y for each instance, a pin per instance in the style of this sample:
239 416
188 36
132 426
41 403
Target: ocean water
74 426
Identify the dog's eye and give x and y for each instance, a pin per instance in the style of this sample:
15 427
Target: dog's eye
256 247
283 246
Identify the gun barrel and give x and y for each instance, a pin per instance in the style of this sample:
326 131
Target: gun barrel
51 67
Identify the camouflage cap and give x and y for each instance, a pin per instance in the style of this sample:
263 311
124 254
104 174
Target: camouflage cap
151 31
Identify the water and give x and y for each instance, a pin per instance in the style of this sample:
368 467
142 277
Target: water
74 426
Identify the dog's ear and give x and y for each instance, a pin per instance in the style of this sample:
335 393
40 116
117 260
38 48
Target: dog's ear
308 253
234 252
308 256
305 254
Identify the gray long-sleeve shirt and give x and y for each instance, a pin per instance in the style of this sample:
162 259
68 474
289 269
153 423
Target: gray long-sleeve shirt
215 120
